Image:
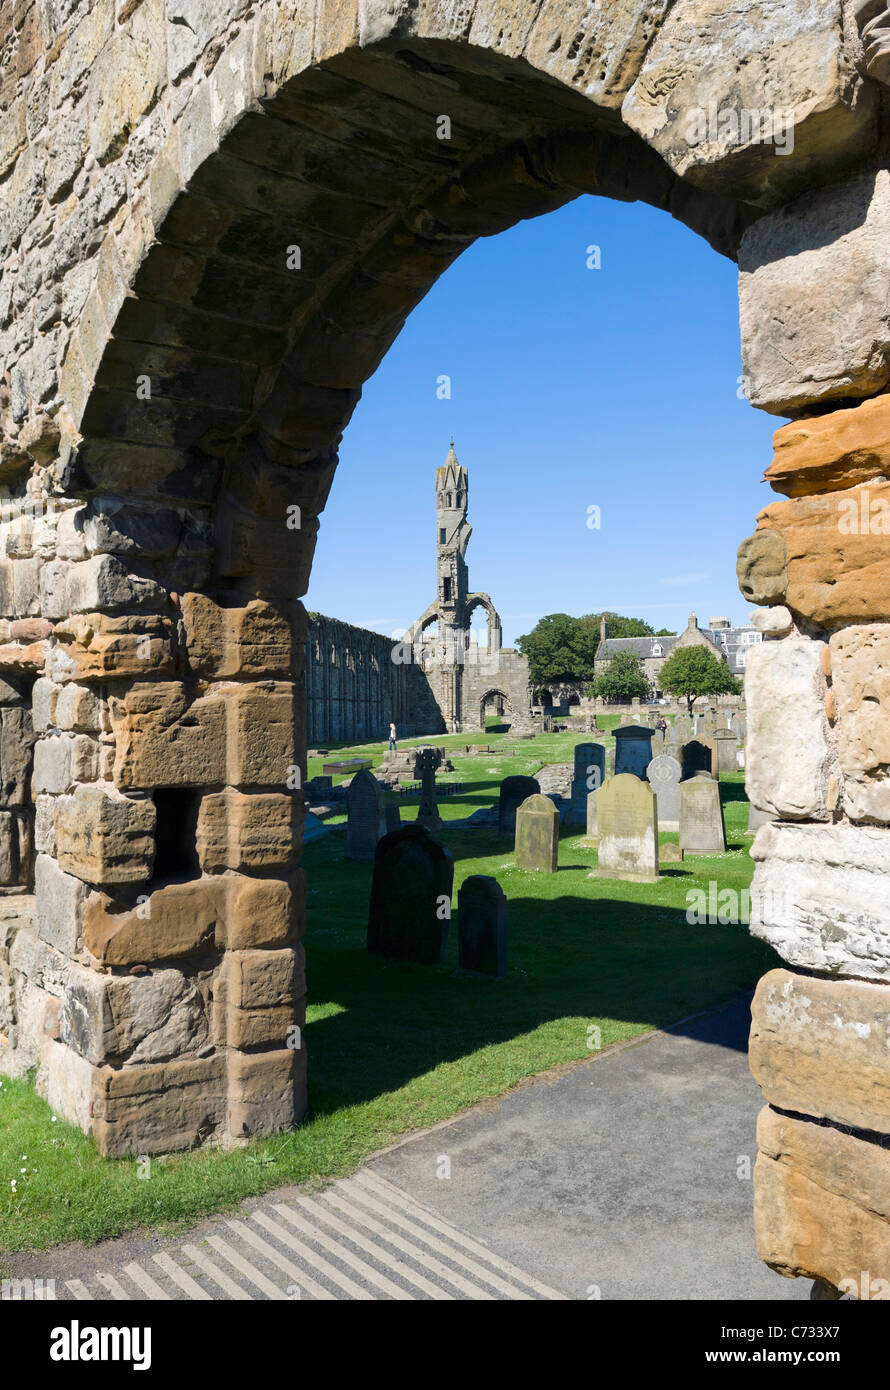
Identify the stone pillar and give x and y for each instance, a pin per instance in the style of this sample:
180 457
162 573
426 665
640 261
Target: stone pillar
818 736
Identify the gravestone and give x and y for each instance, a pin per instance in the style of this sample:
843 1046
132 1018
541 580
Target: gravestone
682 729
698 755
627 821
664 773
592 831
757 818
366 817
589 775
482 926
633 750
670 853
393 818
410 896
537 835
726 744
702 830
514 790
428 811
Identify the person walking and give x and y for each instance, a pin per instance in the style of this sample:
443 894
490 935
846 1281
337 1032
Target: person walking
392 738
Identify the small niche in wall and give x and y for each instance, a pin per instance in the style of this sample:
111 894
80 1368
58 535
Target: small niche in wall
176 855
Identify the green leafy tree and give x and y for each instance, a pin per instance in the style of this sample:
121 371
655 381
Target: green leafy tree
693 671
622 679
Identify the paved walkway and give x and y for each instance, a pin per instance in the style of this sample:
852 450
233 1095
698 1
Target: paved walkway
618 1179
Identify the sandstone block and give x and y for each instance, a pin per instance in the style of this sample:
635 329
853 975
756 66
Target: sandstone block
712 64
838 560
821 1202
97 647
105 582
266 1091
105 837
263 911
226 642
261 739
820 1047
43 703
177 920
818 896
860 663
57 903
762 567
65 1080
598 50
773 622
78 710
788 760
164 740
827 453
17 739
818 262
62 760
248 832
157 1108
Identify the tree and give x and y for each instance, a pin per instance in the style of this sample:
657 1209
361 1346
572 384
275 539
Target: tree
622 679
693 671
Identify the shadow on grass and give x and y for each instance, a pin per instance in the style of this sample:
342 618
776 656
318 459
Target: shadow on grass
574 960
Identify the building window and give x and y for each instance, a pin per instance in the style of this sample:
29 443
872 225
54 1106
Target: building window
446 590
658 649
441 535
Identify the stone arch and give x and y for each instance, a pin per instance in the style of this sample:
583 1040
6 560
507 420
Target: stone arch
502 698
475 601
266 195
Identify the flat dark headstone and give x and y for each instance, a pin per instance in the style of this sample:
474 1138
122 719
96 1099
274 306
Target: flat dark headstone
514 790
482 926
410 896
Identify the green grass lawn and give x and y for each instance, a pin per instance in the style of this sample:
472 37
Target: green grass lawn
395 1047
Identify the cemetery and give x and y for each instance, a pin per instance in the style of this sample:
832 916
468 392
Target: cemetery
216 218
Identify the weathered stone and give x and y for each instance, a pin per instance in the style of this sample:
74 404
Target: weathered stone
410 896
762 567
247 832
789 760
752 98
773 622
837 557
598 50
663 775
263 912
822 1204
537 835
165 740
131 1019
105 582
860 667
97 647
266 1091
820 262
17 739
58 899
627 826
827 453
818 896
78 710
482 926
156 1108
63 760
226 642
105 837
819 1047
176 920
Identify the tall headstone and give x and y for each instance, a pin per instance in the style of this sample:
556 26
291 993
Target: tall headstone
664 773
410 896
702 830
726 744
589 775
698 755
592 831
537 835
633 749
365 816
428 811
514 790
482 926
627 821
682 729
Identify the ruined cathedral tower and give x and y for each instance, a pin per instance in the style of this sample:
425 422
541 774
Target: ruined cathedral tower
463 674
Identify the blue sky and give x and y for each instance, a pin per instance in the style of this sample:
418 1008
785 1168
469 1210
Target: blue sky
572 388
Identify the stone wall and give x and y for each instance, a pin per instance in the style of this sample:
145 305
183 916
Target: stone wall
214 219
355 687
